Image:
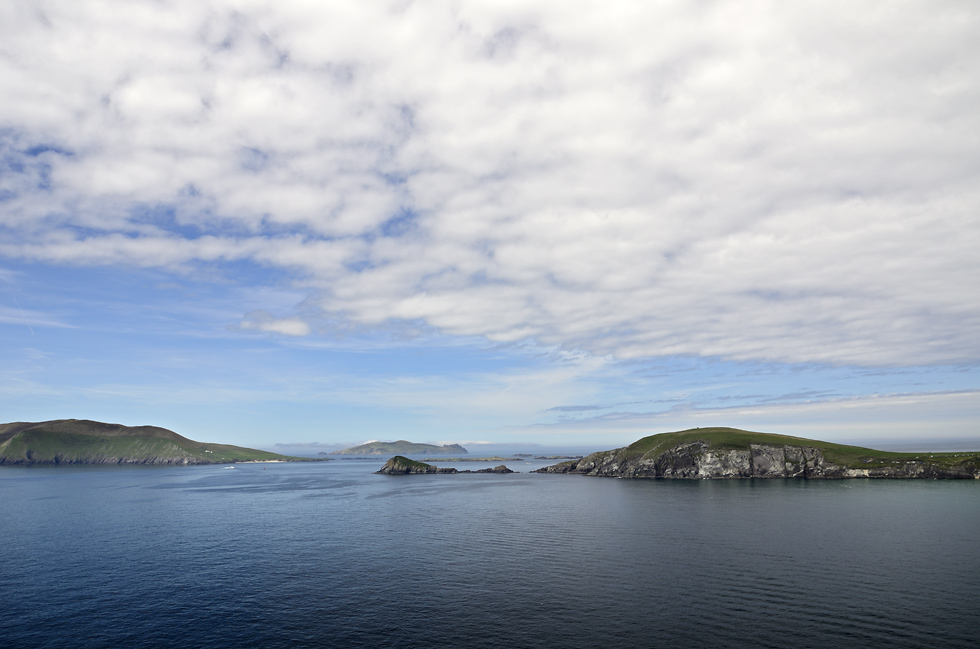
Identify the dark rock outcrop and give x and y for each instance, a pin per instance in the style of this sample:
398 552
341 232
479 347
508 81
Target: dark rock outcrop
400 465
497 469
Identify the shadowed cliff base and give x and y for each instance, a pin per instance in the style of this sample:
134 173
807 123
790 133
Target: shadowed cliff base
703 453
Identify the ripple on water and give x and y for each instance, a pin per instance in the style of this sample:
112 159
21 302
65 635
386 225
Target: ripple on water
331 555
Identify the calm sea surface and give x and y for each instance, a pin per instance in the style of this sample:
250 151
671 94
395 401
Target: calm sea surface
329 555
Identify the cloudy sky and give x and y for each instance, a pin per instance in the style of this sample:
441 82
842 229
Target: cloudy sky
563 223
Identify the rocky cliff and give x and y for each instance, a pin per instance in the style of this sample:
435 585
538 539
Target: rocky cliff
729 453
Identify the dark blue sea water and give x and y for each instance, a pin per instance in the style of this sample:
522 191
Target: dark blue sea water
330 555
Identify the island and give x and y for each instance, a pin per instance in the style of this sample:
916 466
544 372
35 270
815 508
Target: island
701 453
401 447
80 441
400 465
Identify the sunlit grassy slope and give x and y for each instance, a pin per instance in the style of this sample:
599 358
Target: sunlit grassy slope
82 442
735 439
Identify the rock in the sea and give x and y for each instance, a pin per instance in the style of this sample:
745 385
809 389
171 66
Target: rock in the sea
497 469
401 465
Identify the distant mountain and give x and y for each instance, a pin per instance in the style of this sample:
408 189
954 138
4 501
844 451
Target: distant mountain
701 453
401 447
79 441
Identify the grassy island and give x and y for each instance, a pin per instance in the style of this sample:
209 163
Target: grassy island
733 453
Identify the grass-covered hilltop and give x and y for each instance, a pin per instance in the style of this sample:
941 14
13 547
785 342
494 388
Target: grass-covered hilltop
401 447
78 441
732 453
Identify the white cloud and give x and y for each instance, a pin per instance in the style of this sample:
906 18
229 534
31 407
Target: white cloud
789 182
265 321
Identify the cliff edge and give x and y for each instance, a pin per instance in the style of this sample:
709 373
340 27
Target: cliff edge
703 453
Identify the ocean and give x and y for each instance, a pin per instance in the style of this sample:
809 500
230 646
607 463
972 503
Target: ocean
330 555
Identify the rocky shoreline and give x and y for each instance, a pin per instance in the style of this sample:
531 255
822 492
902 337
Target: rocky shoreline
697 460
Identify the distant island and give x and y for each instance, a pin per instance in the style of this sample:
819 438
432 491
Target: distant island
400 465
401 447
79 441
701 453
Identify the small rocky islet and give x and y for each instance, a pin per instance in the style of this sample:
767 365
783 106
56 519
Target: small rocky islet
400 465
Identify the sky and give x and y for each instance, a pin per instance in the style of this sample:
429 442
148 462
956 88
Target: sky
552 223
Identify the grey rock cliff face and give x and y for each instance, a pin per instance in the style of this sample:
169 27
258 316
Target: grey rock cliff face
696 460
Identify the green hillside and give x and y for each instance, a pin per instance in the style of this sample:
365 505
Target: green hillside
735 439
74 441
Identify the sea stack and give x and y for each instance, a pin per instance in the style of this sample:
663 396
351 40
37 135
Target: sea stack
401 465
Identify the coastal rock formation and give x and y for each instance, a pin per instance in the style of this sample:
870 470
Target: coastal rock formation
400 465
729 453
497 469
